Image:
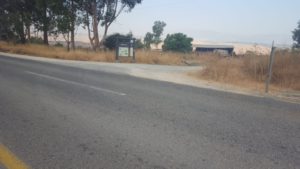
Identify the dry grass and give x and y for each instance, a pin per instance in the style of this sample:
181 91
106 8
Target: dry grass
147 57
165 58
286 69
56 52
251 71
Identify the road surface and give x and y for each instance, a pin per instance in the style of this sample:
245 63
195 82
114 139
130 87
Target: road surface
58 117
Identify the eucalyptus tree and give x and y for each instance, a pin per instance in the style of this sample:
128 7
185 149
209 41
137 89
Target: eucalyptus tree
45 17
15 19
296 36
158 29
103 13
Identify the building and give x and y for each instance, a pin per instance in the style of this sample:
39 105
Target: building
220 49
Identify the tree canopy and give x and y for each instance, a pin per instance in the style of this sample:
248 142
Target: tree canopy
148 39
178 42
158 29
296 36
60 17
111 41
155 36
104 13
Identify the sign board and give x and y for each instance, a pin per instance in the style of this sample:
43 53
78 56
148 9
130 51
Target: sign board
123 51
125 48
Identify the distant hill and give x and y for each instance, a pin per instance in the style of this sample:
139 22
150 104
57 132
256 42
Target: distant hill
77 43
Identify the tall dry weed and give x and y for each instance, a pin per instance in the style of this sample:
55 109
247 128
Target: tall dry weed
142 56
251 70
248 71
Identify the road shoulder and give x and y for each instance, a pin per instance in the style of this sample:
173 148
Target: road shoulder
173 74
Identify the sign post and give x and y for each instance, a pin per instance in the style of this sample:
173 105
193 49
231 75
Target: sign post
269 77
125 47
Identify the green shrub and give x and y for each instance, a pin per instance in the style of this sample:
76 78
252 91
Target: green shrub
36 40
178 42
111 41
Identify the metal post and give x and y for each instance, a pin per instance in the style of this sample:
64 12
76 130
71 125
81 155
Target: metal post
129 47
270 68
117 50
133 48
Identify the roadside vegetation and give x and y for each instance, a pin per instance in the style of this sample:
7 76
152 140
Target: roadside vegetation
250 70
23 22
144 56
247 71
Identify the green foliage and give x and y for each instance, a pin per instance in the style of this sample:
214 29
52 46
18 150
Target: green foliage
155 37
139 44
158 29
14 16
58 44
178 42
58 17
36 40
111 41
104 13
296 36
148 40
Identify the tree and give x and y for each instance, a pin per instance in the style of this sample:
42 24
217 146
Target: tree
15 16
158 29
103 13
71 8
64 28
6 19
111 41
148 40
178 42
138 44
45 16
67 21
296 36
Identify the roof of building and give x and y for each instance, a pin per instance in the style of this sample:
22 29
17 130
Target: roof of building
215 46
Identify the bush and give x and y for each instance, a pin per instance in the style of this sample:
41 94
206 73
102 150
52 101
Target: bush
138 44
58 44
111 41
36 40
178 42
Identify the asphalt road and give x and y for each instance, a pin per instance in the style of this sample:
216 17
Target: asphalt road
59 117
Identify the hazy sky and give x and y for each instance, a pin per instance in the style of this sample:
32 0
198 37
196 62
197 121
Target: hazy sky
256 21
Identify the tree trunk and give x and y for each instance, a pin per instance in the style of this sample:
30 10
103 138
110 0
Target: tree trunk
73 25
45 29
89 31
104 37
28 32
95 28
22 32
73 36
68 42
45 23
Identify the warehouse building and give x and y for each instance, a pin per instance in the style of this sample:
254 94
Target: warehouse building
220 49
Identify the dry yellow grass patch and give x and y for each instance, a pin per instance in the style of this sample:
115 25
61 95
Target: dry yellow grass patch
56 52
156 57
248 71
147 57
251 71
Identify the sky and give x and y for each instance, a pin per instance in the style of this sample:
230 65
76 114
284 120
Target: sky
251 21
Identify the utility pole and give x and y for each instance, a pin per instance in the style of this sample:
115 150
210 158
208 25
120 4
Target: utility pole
269 77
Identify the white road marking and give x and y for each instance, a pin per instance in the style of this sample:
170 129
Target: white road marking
76 83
